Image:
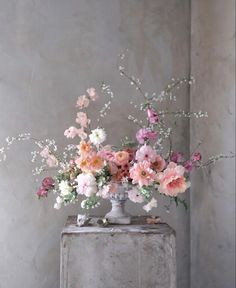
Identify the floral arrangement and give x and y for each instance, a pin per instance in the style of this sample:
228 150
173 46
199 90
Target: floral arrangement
93 169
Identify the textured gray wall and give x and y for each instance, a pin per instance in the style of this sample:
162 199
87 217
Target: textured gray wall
50 52
213 192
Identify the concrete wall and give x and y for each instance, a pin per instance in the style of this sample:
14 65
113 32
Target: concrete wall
213 191
50 52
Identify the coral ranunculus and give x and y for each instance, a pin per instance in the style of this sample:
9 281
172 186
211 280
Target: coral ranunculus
121 157
172 180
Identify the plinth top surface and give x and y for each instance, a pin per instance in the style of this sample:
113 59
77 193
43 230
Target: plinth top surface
138 225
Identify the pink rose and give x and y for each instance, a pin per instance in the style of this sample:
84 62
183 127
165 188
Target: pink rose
82 102
48 183
42 192
144 134
92 93
196 157
152 116
176 157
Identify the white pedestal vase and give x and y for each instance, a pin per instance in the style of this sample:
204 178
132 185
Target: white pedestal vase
118 215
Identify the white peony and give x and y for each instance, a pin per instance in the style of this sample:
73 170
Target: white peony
65 188
97 136
86 184
148 207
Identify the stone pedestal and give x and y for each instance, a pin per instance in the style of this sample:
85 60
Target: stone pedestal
134 256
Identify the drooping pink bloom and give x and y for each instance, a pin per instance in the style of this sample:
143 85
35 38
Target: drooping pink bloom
196 157
145 134
82 102
152 204
152 116
134 196
188 165
142 174
92 93
42 192
159 164
48 183
145 153
172 180
71 132
82 119
176 157
52 161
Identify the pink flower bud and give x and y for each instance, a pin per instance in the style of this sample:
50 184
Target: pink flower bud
42 192
196 157
152 116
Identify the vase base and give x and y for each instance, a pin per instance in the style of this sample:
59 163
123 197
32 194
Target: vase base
125 220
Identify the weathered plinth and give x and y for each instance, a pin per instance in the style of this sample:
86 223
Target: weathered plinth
132 256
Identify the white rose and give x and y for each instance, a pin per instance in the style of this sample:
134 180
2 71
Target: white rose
97 136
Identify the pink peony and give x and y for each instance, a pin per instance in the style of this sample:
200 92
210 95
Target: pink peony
188 165
42 192
144 134
134 196
159 164
176 157
92 93
48 183
71 132
82 119
172 180
82 102
142 174
145 153
196 157
152 116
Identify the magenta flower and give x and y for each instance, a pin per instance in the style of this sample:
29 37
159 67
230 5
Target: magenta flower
42 192
177 157
196 157
188 165
48 183
152 116
144 134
